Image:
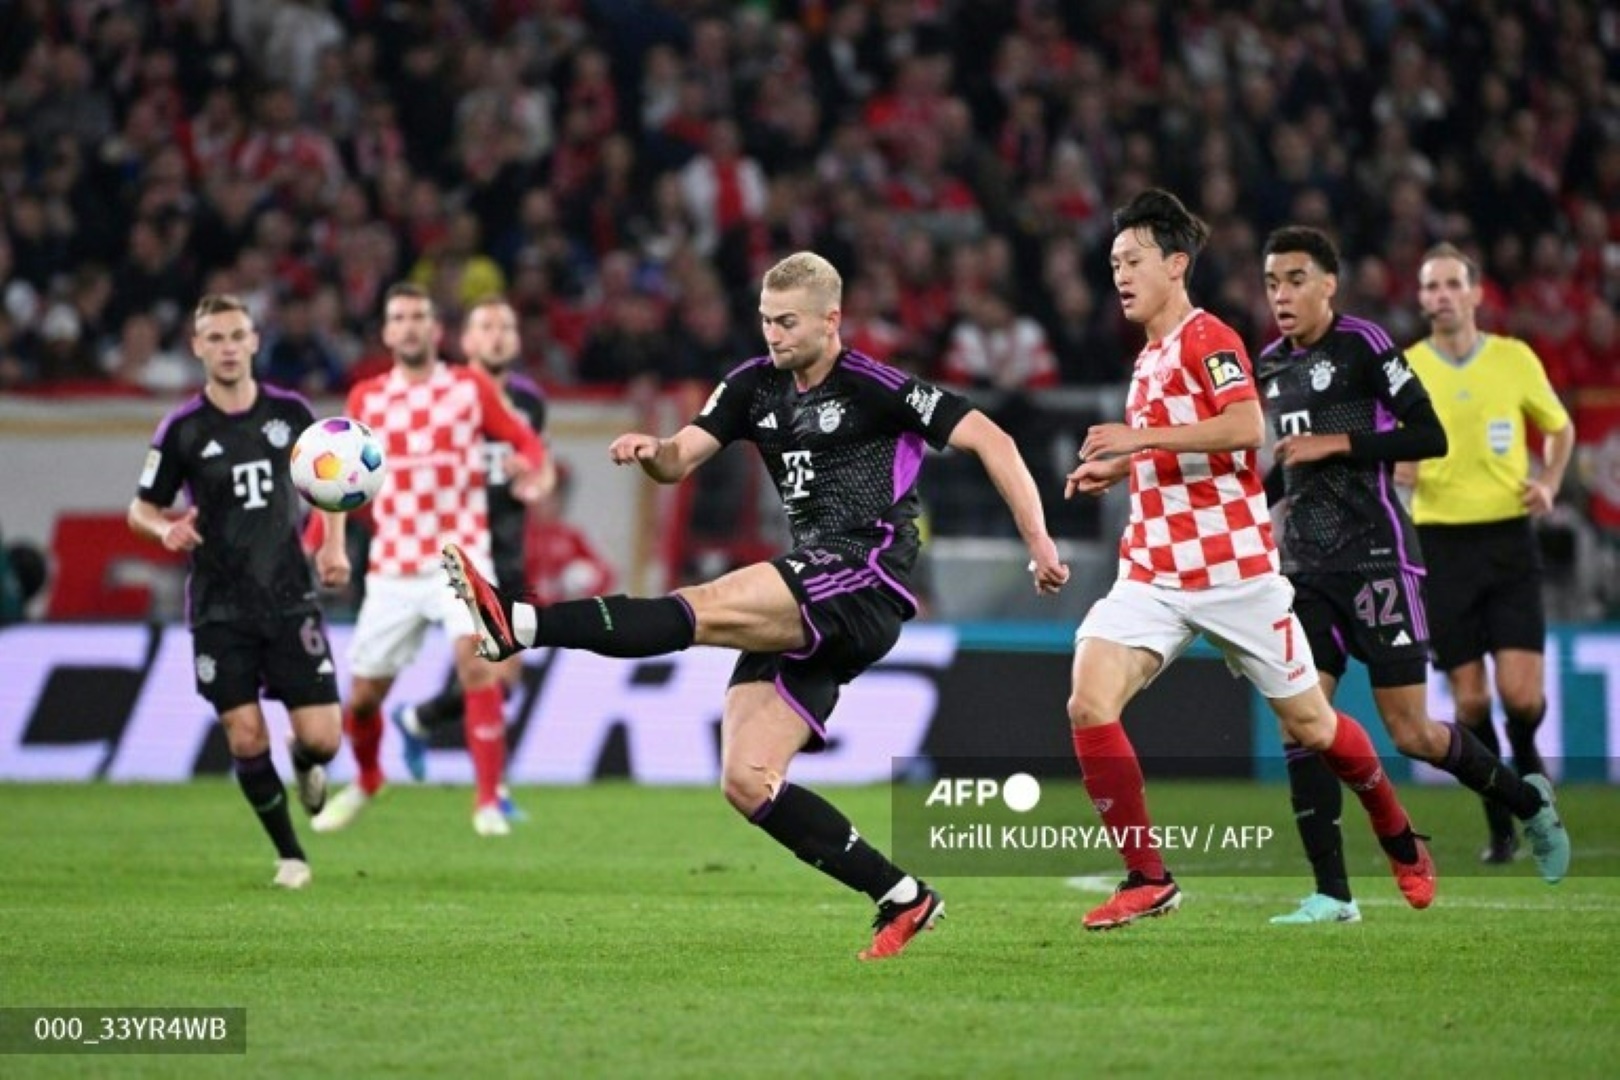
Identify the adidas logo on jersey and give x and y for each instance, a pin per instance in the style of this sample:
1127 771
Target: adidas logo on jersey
213 449
1401 639
769 422
326 667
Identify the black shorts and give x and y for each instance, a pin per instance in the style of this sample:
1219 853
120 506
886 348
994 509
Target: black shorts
1376 617
286 658
853 604
1484 589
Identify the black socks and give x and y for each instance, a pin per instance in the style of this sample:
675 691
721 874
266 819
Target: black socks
1318 800
264 792
1521 733
815 831
1484 772
617 625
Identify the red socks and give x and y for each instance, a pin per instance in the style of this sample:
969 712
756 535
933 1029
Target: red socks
1354 761
365 739
1113 779
484 725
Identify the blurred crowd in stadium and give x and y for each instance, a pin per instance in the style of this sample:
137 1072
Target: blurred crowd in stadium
625 169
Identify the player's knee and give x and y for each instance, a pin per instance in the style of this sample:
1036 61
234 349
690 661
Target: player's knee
1524 705
745 790
1087 710
1473 710
320 747
247 743
1416 737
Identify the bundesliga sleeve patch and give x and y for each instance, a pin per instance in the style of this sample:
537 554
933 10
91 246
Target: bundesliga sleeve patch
1224 370
154 458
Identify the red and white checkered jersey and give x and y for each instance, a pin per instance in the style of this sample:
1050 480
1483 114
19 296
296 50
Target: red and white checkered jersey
433 430
1197 519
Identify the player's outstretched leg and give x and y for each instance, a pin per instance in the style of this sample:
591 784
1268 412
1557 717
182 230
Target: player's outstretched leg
620 626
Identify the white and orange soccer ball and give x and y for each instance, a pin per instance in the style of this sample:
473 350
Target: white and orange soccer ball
338 464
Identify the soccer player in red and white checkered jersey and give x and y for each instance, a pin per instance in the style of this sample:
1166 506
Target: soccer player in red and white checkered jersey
1197 557
433 419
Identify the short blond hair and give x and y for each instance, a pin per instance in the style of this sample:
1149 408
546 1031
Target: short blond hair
218 303
809 271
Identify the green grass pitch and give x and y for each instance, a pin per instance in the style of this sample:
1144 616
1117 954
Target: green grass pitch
628 931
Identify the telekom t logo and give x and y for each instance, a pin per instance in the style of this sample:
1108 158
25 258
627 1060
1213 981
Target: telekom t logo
799 474
251 483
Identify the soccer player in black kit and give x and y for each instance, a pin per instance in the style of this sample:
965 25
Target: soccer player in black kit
1345 407
842 437
255 623
489 339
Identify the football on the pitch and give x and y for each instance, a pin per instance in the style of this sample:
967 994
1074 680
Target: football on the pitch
337 464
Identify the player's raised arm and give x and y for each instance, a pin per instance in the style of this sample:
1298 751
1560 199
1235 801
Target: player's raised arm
668 461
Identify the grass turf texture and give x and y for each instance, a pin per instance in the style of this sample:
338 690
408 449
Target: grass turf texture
648 932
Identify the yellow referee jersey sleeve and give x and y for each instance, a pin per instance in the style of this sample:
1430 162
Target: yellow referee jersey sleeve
1482 400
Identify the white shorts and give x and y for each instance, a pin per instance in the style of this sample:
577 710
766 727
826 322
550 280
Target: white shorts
394 618
1252 623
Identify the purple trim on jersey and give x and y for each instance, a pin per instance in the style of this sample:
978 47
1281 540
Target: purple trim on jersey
908 459
815 635
804 713
862 364
767 806
521 382
877 567
1384 420
745 365
1374 335
686 607
1338 639
180 413
287 395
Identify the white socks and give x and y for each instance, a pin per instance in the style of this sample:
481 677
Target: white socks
525 624
903 893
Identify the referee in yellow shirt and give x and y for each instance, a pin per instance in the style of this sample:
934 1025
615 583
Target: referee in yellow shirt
1473 509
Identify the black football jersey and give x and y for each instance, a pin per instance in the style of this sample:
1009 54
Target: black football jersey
508 517
234 469
1343 514
844 455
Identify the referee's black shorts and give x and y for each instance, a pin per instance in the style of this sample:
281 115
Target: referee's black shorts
1484 590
